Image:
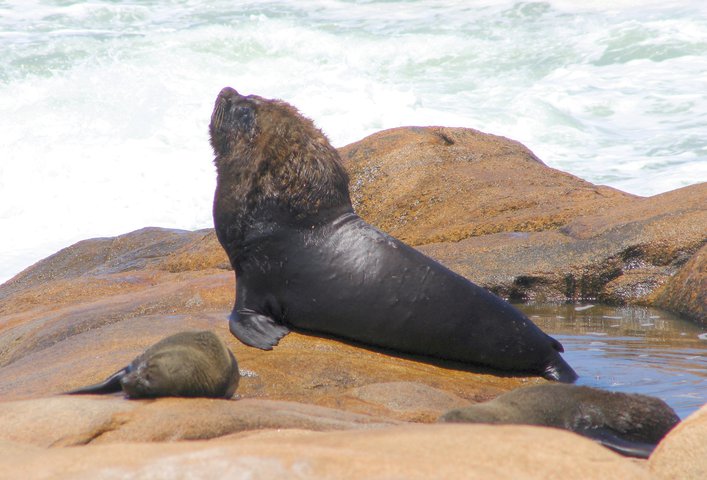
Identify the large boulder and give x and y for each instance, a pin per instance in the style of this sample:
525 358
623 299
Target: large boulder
488 208
410 452
682 455
686 292
483 205
436 184
90 419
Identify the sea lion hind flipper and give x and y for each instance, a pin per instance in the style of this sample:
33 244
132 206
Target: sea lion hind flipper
610 439
109 385
255 329
559 371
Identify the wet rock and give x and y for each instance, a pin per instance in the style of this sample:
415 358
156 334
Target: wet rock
682 455
143 249
686 292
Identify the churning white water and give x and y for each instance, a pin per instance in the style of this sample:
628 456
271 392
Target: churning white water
104 105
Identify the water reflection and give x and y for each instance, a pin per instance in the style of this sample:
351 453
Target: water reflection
631 349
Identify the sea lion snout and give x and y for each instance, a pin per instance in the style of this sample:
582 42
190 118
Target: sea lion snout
225 101
233 117
227 93
137 382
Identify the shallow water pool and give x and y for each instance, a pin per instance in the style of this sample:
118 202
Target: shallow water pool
632 350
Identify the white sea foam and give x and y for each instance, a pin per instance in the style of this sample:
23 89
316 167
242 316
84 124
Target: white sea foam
104 106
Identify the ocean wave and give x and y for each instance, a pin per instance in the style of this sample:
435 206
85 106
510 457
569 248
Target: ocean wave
105 105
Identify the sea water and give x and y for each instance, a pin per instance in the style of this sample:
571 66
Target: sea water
104 105
631 350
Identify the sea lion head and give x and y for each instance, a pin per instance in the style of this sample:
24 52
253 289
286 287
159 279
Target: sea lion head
232 121
148 379
274 161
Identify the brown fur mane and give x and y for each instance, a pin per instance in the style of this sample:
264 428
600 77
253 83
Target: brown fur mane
275 158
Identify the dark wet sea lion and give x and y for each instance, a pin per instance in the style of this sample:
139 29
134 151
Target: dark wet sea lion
304 260
630 424
187 364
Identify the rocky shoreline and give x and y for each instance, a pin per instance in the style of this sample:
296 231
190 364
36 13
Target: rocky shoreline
488 208
317 408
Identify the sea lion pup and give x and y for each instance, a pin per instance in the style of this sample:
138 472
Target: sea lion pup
630 424
187 364
304 260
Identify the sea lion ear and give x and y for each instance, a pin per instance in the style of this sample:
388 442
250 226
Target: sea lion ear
256 330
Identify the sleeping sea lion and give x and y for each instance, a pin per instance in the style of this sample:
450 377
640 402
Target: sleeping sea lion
304 260
187 364
630 424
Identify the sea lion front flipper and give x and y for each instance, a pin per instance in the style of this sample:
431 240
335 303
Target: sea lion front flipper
109 385
255 329
610 439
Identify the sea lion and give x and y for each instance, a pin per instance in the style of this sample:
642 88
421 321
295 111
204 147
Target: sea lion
187 364
630 424
304 260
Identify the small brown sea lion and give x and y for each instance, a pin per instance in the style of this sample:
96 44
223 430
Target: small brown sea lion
628 423
187 364
304 260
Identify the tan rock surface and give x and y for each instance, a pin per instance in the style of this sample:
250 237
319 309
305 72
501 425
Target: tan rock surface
682 455
67 336
686 292
92 419
486 207
410 401
437 184
410 452
483 205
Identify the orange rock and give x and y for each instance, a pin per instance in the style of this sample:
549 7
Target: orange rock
489 209
436 184
64 421
410 452
686 292
483 205
682 455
